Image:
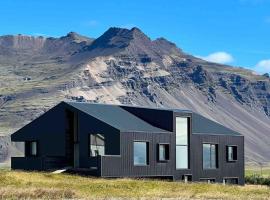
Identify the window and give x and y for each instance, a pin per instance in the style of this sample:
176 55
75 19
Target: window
97 145
33 148
141 153
231 153
210 156
163 152
230 181
208 180
187 178
182 134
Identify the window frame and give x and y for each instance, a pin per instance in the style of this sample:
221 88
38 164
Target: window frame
227 153
216 153
147 153
166 153
208 180
28 148
89 145
189 121
226 178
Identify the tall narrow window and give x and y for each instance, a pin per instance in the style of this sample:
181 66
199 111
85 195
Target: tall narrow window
141 153
97 145
231 153
210 156
33 148
163 152
182 133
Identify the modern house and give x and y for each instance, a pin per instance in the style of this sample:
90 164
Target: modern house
127 141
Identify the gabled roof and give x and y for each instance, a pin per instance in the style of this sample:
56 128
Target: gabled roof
203 125
116 117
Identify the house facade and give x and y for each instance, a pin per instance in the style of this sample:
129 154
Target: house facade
126 141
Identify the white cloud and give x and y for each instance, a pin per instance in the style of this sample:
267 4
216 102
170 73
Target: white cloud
218 57
263 66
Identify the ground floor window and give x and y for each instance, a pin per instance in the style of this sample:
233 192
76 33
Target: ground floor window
141 153
187 178
208 180
210 156
231 152
97 145
230 180
163 152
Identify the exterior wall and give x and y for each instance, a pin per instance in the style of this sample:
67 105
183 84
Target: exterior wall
48 130
225 169
88 125
122 166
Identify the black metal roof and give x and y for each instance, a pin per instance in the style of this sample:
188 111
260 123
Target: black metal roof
203 125
123 120
116 117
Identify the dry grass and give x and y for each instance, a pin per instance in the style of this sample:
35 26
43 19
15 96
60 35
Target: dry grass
26 185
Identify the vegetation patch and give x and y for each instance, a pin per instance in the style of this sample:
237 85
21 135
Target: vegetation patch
33 185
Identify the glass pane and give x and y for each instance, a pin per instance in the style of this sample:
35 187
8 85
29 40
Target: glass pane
181 131
213 156
181 157
33 148
162 154
97 145
230 153
140 153
206 156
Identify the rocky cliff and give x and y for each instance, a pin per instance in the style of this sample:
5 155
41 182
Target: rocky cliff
126 66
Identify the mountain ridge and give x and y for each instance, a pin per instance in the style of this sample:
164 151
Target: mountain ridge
126 66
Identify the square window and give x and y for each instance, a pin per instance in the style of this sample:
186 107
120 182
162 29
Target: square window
231 153
163 152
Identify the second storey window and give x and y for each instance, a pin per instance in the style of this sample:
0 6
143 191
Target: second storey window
182 137
231 152
141 153
210 156
97 145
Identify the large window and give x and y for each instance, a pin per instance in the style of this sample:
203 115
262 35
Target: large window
231 152
182 133
97 145
210 156
141 153
163 152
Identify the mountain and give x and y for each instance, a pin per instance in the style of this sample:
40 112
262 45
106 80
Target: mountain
126 66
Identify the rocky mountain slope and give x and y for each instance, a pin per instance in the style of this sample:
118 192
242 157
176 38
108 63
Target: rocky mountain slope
125 66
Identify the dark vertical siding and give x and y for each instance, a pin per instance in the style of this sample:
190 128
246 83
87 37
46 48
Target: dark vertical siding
122 166
225 169
90 125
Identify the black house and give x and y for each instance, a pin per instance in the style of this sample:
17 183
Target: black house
126 141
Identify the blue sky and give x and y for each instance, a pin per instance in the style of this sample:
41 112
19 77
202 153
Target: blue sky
236 32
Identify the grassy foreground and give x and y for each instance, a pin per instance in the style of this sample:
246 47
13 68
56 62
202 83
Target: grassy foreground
26 185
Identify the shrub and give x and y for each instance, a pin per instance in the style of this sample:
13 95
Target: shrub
256 179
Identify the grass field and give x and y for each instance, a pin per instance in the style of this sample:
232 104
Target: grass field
26 185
